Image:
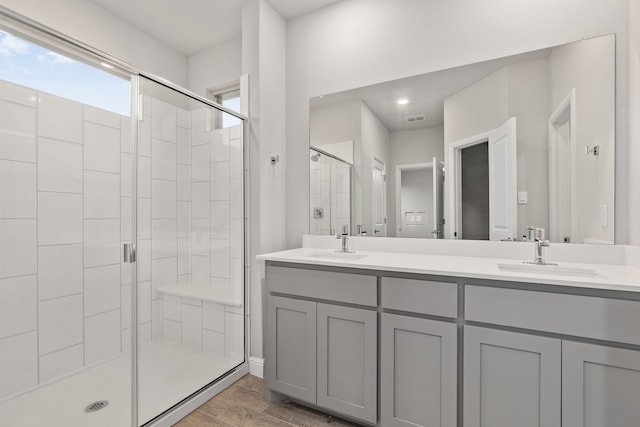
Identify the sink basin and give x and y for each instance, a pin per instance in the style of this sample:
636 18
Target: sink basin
554 270
336 255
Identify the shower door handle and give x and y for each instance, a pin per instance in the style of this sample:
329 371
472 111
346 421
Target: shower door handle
129 253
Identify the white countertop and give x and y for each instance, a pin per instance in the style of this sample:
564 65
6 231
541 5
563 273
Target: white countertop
619 277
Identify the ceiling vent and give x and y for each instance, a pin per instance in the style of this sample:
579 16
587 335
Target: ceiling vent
417 118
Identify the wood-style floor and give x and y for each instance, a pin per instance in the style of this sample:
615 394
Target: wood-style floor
243 405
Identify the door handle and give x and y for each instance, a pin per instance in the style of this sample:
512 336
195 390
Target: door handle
129 250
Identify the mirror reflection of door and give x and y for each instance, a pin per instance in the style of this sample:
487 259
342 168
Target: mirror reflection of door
438 199
416 197
496 170
562 194
379 198
419 207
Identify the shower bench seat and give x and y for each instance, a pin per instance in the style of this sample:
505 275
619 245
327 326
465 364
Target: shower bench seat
201 317
203 293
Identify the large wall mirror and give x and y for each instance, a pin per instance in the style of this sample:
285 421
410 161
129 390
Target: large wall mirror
478 152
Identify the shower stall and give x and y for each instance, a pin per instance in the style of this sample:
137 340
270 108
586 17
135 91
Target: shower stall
122 260
331 192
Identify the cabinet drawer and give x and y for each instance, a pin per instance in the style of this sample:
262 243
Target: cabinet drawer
420 296
583 316
327 285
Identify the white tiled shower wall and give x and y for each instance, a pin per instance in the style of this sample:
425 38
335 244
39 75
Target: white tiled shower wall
65 210
330 190
210 221
62 196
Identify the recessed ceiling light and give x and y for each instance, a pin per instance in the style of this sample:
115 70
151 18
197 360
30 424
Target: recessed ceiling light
403 101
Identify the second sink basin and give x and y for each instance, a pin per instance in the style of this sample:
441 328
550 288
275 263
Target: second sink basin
554 270
336 255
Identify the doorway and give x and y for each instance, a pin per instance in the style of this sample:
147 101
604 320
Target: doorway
475 192
418 199
379 198
501 185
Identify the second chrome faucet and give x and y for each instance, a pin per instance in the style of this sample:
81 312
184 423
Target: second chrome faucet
538 236
345 239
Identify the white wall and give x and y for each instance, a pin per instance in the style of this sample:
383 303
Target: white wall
263 58
477 108
91 24
529 102
634 123
362 42
416 146
580 66
214 67
408 147
335 123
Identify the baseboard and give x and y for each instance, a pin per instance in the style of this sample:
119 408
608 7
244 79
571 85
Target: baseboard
256 366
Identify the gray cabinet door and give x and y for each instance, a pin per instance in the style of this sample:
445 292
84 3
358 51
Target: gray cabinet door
347 361
600 386
291 347
418 372
511 379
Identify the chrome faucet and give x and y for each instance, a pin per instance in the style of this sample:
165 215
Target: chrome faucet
345 242
541 242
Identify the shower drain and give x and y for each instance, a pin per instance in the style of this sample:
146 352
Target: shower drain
96 406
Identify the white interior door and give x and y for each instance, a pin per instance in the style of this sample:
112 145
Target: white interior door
379 199
438 203
562 196
503 214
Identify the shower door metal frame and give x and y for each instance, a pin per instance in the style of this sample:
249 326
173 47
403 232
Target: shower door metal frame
44 35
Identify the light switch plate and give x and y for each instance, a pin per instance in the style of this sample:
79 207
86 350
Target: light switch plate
523 197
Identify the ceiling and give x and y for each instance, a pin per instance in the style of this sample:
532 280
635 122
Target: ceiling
426 92
190 26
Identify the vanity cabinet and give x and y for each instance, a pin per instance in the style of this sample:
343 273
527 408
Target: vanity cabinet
539 380
418 356
600 386
324 354
347 360
517 354
418 372
321 353
291 349
511 379
528 380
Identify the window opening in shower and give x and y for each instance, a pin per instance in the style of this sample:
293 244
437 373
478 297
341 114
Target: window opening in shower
230 98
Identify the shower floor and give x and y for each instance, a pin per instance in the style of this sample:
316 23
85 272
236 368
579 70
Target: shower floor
167 373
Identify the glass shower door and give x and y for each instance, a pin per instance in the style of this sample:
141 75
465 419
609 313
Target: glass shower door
190 247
